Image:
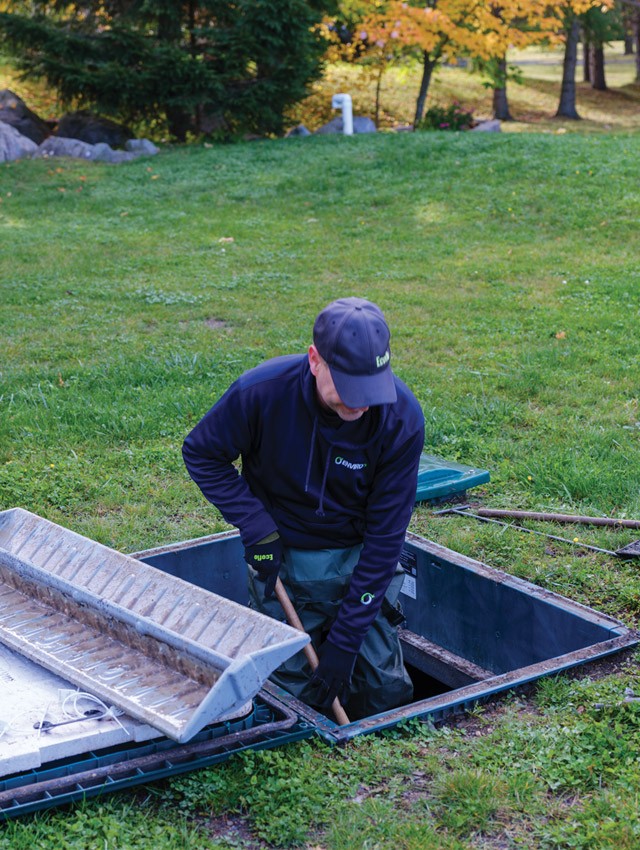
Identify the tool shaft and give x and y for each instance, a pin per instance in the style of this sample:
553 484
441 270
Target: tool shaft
294 620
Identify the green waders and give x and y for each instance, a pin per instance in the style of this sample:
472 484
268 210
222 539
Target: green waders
316 581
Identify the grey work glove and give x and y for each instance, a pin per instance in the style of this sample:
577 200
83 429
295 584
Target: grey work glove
266 559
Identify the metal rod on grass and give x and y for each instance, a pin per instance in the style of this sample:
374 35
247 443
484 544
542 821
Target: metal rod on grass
568 518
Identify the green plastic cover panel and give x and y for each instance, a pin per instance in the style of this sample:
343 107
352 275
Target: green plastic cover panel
438 478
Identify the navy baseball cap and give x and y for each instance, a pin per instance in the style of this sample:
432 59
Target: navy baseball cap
352 336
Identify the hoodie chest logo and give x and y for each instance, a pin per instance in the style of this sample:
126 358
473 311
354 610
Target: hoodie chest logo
342 461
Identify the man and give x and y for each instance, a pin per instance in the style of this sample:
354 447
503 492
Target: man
330 444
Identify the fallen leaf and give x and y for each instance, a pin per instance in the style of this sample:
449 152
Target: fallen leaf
561 335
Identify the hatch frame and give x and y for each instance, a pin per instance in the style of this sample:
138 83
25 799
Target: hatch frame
437 708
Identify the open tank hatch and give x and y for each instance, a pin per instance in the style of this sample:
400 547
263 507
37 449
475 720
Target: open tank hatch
471 631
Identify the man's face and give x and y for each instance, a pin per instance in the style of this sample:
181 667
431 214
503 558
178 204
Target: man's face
327 393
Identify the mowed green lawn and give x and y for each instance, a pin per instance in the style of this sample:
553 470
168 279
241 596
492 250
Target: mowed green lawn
507 265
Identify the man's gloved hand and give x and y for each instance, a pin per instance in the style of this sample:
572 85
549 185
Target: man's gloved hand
266 559
332 676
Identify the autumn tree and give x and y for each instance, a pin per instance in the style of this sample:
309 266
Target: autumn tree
452 29
636 39
568 16
199 63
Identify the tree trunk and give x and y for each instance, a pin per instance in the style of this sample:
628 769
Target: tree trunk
378 88
636 38
567 105
500 100
598 80
628 44
428 64
586 58
170 32
178 122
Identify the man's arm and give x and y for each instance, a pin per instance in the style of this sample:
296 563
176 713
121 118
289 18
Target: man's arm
209 453
389 511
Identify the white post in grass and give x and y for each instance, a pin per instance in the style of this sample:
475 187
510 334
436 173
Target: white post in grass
343 101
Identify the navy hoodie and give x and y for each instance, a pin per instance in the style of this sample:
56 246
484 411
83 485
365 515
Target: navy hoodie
322 483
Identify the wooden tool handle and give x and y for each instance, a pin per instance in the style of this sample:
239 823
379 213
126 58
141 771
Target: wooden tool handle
292 618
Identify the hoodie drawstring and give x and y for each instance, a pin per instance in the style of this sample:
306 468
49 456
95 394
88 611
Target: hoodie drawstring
311 448
320 509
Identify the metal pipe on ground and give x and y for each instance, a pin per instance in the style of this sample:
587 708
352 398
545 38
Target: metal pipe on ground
566 518
632 550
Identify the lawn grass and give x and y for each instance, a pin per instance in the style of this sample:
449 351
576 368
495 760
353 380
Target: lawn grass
131 297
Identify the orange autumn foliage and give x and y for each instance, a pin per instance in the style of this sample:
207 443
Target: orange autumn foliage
451 29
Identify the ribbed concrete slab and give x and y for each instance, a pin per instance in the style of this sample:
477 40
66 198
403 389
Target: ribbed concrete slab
32 696
167 652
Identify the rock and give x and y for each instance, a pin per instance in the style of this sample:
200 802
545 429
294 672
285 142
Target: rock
360 125
492 126
92 129
13 145
102 152
58 146
364 125
334 126
141 147
16 113
297 132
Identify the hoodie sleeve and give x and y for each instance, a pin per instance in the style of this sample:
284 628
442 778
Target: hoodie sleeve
209 453
388 514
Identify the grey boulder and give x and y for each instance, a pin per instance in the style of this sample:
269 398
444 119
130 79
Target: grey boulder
297 132
141 147
102 152
360 125
492 126
58 146
13 145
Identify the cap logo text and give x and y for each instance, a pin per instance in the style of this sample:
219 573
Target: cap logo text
382 361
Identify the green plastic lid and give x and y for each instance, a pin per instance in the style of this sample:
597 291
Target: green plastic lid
438 477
